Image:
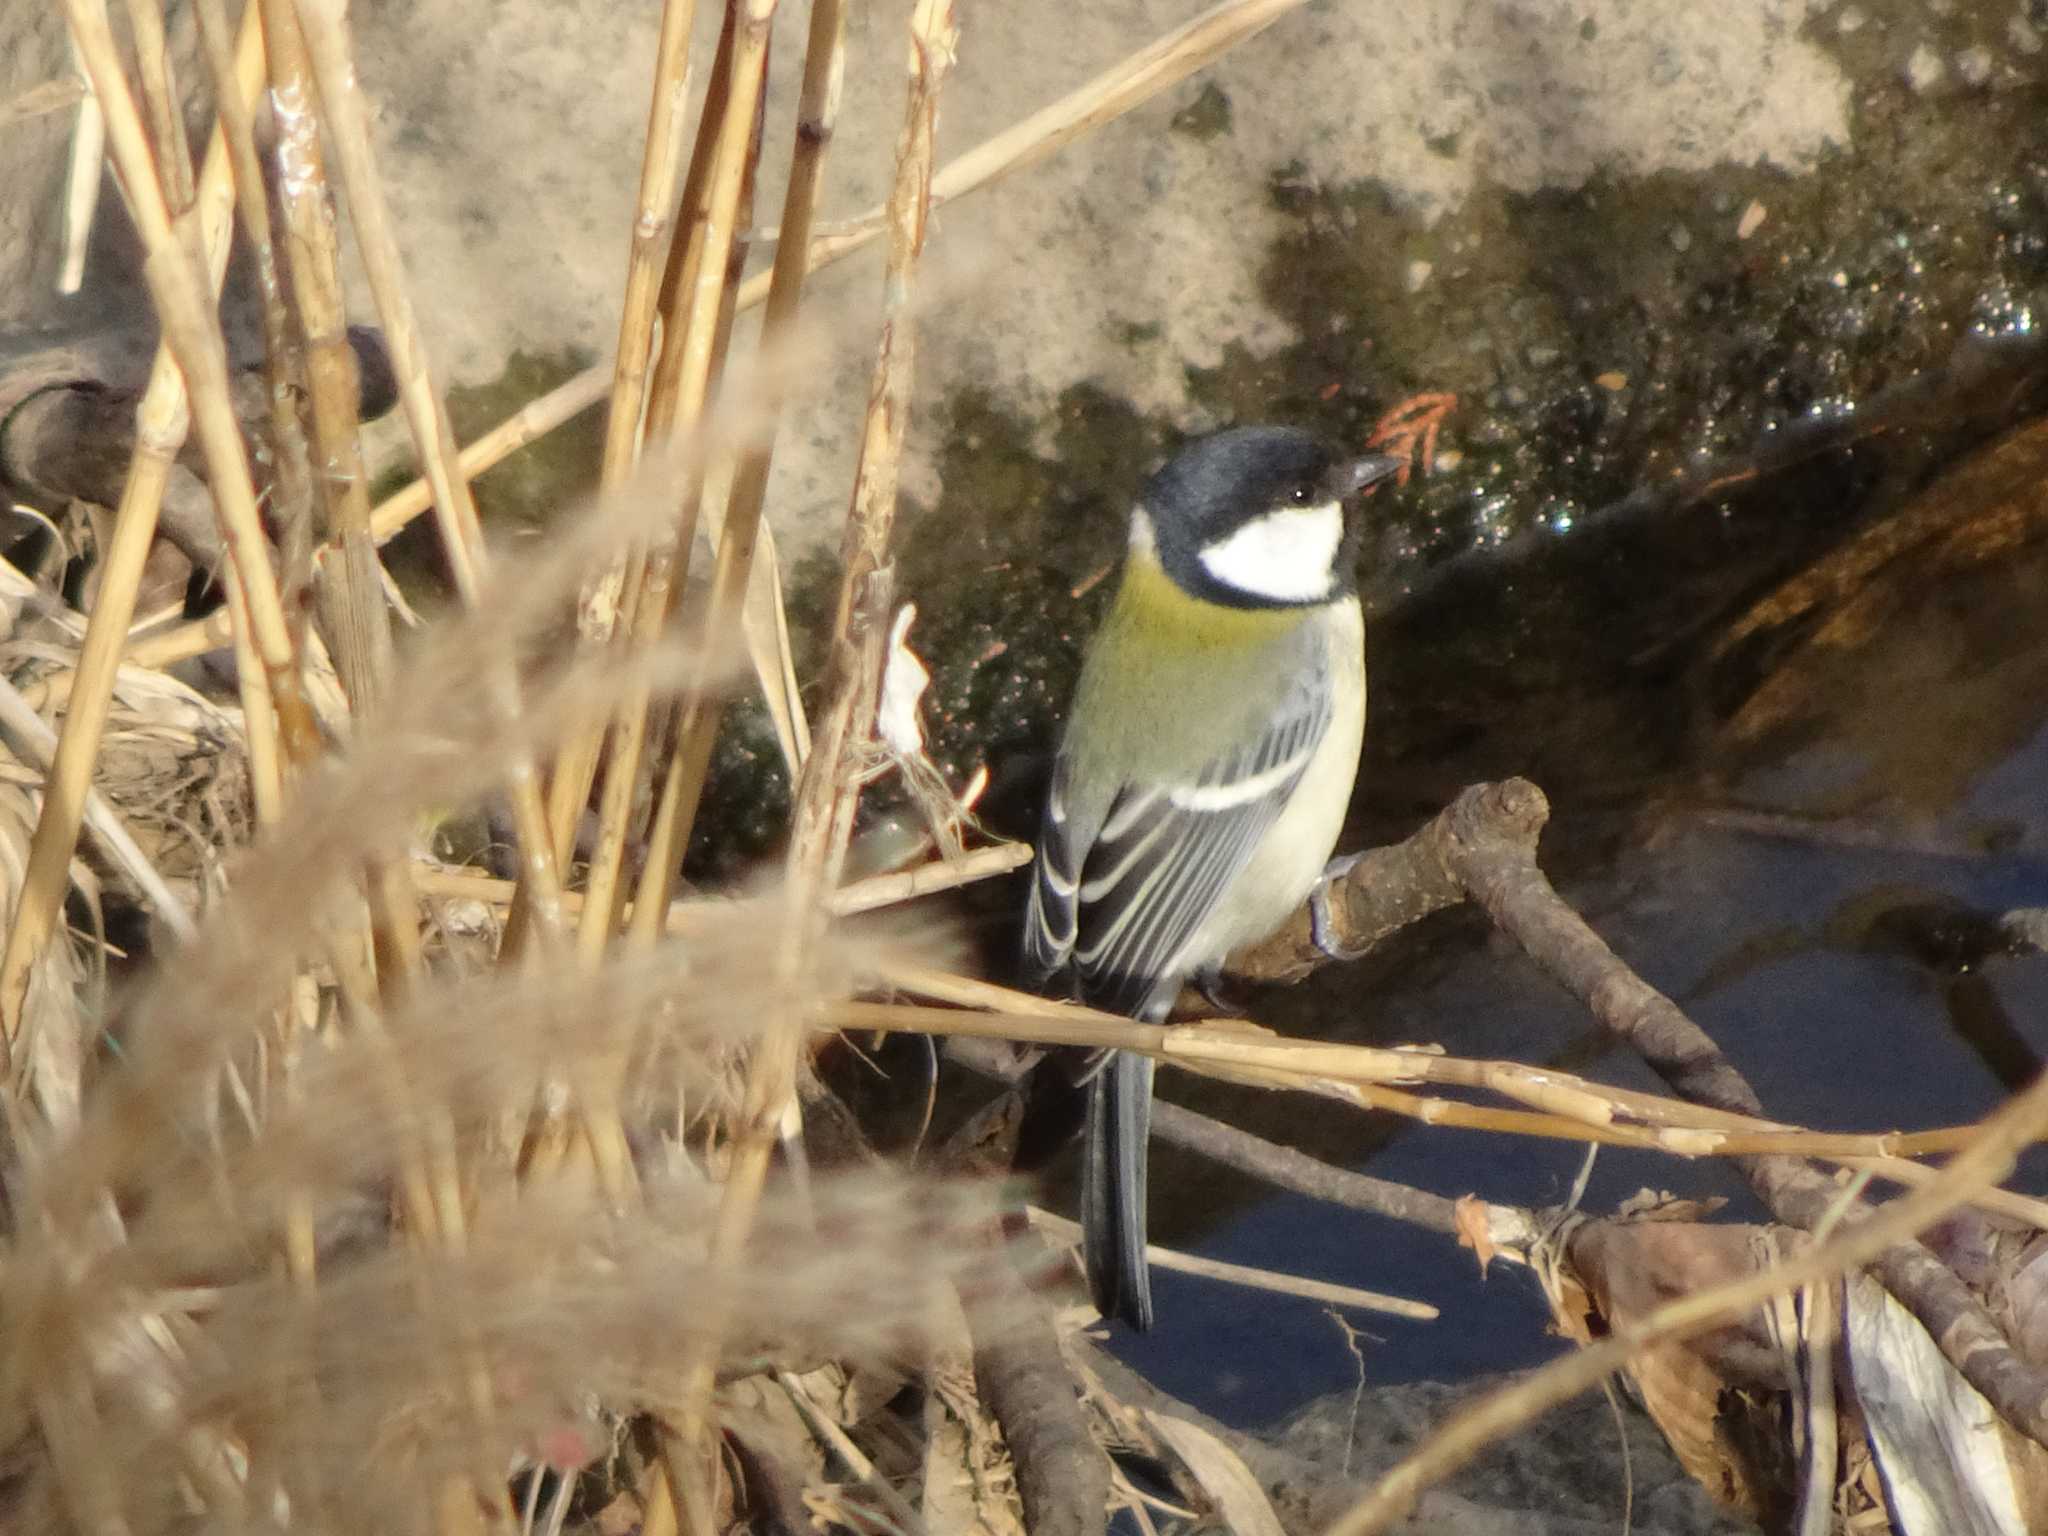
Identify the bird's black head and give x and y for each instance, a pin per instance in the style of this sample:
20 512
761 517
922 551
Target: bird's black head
1255 517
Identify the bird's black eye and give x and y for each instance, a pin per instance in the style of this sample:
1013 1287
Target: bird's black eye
1302 494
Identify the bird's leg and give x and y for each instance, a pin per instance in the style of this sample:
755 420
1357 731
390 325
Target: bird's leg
1322 923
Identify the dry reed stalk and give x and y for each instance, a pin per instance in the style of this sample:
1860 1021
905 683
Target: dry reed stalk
82 184
50 96
1120 89
653 225
309 349
830 784
160 97
161 424
1569 1109
1128 84
701 710
828 1431
690 915
37 744
696 326
609 594
290 490
1989 1158
324 27
314 337
395 513
653 229
1068 1235
191 326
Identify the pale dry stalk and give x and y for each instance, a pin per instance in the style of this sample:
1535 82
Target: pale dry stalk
653 229
1129 83
162 420
690 915
324 27
1570 1108
694 331
831 778
653 226
289 475
310 340
160 99
608 592
701 710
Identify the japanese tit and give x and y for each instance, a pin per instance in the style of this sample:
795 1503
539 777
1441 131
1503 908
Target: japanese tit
1205 770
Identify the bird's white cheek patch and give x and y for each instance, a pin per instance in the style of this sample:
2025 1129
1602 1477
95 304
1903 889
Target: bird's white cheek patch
1286 556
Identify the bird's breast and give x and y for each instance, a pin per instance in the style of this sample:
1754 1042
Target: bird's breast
1283 869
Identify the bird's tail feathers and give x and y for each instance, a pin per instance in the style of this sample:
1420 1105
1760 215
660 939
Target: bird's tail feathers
1113 1188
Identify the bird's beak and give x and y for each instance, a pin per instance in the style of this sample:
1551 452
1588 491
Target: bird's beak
1353 476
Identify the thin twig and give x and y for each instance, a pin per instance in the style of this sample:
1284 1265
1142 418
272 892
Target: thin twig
1494 858
1068 1233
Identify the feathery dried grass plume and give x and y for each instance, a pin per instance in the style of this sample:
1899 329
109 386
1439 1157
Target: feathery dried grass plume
161 1361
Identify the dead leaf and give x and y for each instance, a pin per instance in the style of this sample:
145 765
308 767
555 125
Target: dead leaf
1239 1499
1475 1228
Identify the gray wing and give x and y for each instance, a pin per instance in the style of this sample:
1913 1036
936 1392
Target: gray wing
1112 907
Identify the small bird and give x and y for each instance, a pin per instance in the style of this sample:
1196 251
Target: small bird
1205 770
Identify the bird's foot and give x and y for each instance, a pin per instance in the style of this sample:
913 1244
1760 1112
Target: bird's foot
1322 922
1209 982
